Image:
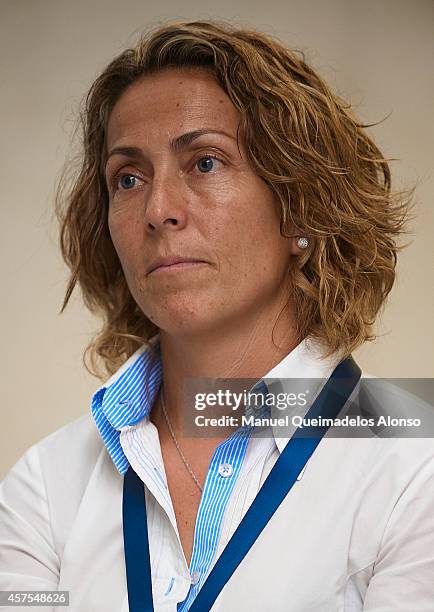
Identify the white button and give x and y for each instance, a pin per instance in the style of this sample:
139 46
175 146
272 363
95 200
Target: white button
225 469
195 578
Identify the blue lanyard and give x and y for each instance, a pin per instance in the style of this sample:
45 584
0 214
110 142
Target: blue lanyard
290 463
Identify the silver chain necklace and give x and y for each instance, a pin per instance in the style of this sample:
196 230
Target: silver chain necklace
172 433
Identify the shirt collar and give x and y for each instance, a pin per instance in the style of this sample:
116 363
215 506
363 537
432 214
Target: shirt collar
128 396
302 371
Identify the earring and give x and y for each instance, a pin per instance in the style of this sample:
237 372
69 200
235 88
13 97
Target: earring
302 243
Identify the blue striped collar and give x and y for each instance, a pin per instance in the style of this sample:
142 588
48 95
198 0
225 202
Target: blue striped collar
128 396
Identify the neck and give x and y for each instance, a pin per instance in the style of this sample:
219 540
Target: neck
247 349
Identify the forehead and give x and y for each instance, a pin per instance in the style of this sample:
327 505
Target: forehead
170 102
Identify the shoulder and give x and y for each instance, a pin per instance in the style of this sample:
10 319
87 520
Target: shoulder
75 444
46 485
60 463
67 457
402 423
78 439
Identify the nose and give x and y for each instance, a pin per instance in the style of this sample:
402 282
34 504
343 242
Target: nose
165 205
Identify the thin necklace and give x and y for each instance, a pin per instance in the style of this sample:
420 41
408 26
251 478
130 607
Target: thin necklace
172 433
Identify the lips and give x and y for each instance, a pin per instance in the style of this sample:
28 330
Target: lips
171 260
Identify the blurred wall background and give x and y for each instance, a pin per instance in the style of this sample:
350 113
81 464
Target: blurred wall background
376 53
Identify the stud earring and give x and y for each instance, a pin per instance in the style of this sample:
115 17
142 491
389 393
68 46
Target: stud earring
302 243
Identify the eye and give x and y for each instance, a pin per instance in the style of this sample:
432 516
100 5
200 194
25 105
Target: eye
123 181
206 163
126 181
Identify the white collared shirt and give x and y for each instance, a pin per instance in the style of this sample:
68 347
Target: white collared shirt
356 531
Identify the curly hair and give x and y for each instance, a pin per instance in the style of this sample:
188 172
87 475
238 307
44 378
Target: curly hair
331 181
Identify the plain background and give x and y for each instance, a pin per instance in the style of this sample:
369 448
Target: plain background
376 53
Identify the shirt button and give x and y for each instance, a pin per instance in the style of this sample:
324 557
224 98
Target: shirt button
195 578
225 469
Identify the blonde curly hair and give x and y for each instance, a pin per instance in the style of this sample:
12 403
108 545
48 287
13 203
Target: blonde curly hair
331 181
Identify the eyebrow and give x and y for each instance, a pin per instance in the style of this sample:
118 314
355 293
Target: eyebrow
176 144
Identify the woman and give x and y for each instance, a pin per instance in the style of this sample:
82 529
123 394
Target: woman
231 219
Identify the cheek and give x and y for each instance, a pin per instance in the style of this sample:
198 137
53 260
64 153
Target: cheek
126 239
115 226
250 237
123 233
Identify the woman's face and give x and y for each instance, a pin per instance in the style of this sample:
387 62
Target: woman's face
175 191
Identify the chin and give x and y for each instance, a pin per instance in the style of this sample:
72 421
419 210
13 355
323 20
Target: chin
183 329
175 315
190 322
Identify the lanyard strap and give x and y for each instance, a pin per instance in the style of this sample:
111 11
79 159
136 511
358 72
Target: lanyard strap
278 483
136 544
